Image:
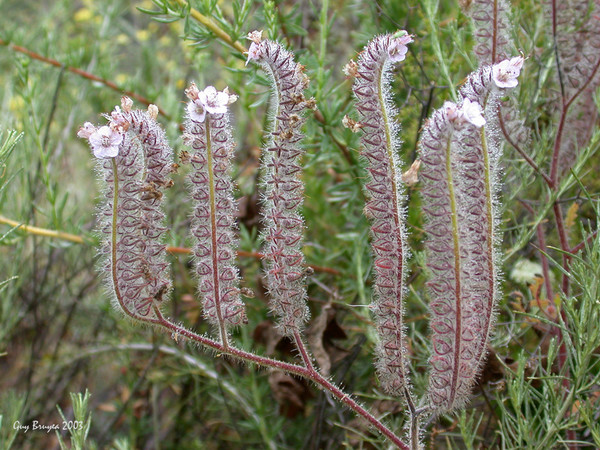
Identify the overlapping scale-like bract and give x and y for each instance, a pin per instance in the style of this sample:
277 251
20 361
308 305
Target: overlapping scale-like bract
213 220
385 206
283 187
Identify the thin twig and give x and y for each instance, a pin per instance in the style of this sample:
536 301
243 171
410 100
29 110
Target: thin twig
582 244
82 73
173 250
543 251
42 231
212 26
526 157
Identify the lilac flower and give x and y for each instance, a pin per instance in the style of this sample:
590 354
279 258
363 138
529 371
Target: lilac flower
214 102
104 141
505 73
254 52
452 111
471 112
196 111
398 49
255 49
86 130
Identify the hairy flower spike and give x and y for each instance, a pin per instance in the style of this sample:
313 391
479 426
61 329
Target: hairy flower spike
136 162
385 206
283 197
460 149
492 29
450 365
575 25
213 222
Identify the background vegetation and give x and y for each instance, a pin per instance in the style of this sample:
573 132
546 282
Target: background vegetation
59 333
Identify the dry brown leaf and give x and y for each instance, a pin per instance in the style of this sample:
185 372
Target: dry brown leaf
571 215
107 407
315 339
290 393
411 176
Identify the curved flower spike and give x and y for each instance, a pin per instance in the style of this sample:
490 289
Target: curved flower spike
208 134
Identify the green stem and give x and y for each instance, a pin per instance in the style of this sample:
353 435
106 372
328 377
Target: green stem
213 233
490 241
457 270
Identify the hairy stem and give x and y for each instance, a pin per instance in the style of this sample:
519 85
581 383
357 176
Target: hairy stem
308 373
457 282
213 236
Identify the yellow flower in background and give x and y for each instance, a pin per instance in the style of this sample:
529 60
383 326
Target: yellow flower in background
142 35
83 15
16 104
123 39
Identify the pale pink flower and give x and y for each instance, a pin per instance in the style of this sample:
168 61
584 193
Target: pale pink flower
214 102
255 48
471 112
208 101
398 49
505 73
452 111
86 130
105 142
196 111
254 52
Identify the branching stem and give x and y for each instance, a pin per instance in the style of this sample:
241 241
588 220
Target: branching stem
308 373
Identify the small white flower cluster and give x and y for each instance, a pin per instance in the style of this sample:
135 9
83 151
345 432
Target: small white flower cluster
106 140
398 46
208 101
468 112
504 75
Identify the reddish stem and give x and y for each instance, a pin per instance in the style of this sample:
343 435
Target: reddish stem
564 245
525 156
80 72
543 251
305 372
255 255
582 244
303 351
